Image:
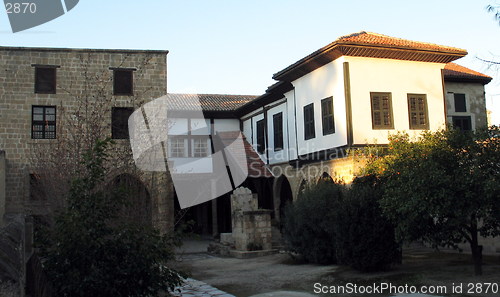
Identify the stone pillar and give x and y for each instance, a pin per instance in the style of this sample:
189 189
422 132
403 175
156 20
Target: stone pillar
215 226
3 169
162 196
251 226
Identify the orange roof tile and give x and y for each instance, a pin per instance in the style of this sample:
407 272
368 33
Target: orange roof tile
364 38
367 44
256 167
455 72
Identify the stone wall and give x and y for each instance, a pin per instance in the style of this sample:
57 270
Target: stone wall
251 226
83 75
16 239
2 186
475 102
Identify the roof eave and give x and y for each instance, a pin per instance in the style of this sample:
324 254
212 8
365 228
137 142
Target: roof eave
336 50
482 80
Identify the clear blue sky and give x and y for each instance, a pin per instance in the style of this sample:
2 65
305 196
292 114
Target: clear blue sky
234 46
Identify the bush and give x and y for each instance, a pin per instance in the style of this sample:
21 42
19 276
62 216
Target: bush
89 251
365 238
308 225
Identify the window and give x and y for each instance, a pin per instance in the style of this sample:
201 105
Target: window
43 122
119 122
45 79
177 148
381 111
309 122
200 147
417 111
278 131
123 82
460 103
261 137
462 123
327 116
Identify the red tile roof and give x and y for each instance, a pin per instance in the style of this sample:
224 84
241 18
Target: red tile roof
208 102
455 72
256 167
367 44
365 38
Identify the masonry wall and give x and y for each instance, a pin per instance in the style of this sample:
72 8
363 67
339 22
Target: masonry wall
2 186
475 102
81 75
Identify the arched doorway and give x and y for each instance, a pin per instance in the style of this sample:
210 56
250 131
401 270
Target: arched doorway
285 195
325 178
302 188
137 207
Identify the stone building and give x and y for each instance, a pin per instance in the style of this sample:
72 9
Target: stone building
69 97
349 94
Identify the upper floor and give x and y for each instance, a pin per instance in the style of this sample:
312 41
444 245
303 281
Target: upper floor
357 91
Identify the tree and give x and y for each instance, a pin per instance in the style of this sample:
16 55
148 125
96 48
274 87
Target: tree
90 251
309 223
443 188
365 238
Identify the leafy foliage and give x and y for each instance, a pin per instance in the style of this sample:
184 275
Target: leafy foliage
309 223
330 223
443 188
90 252
365 238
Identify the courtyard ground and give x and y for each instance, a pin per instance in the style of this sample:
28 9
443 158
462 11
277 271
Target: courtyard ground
280 272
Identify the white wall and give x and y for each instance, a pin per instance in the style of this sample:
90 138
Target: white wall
179 127
399 78
226 125
319 84
280 155
291 124
200 126
247 129
254 120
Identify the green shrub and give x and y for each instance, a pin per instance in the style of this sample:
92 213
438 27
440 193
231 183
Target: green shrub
366 239
89 251
308 225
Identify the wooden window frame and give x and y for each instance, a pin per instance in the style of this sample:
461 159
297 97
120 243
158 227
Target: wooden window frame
117 125
44 122
52 81
181 139
261 136
309 127
468 118
327 116
278 131
421 112
197 152
381 111
117 91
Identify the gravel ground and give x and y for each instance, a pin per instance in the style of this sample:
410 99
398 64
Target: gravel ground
279 272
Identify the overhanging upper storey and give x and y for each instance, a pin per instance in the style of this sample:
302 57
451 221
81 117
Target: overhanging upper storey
366 44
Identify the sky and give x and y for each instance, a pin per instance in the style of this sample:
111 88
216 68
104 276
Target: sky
234 47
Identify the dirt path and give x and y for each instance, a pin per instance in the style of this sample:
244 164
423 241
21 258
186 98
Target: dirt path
247 277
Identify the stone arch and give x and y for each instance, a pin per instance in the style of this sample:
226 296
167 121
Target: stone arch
138 207
302 188
325 178
282 193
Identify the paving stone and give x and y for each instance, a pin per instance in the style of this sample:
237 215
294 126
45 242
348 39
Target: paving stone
196 288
